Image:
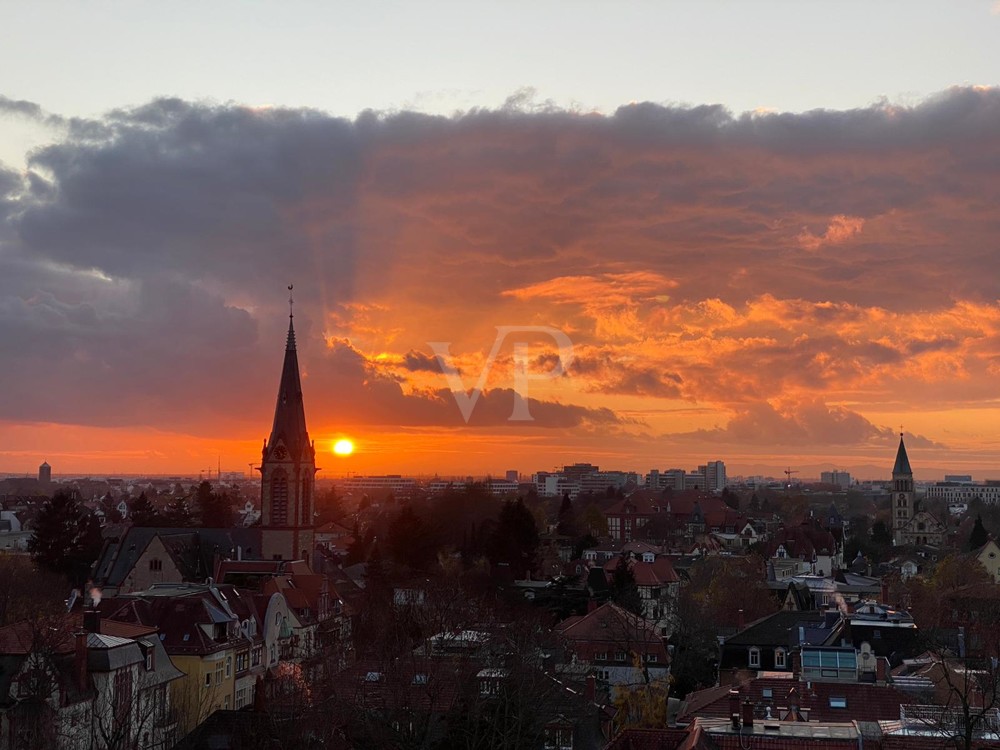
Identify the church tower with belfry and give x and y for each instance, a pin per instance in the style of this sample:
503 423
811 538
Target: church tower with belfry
903 496
288 467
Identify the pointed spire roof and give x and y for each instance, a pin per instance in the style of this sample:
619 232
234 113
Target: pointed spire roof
902 465
289 412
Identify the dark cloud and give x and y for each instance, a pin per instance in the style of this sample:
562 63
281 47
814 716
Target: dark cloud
144 256
805 424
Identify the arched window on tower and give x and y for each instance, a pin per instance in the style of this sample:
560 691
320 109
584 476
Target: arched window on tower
279 498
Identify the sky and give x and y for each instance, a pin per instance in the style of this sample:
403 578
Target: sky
653 234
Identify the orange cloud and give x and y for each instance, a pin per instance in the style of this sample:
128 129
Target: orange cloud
840 229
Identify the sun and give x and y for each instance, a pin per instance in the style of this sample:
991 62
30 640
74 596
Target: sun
343 447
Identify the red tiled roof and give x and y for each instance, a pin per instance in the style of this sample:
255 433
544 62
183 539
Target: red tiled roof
657 573
865 702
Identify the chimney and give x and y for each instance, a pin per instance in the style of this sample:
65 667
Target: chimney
92 621
740 621
734 704
748 714
880 670
796 663
590 690
885 591
80 660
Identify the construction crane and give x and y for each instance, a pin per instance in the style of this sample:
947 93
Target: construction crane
788 475
252 467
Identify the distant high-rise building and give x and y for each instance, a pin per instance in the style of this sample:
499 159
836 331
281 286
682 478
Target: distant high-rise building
966 478
513 475
839 478
45 473
715 475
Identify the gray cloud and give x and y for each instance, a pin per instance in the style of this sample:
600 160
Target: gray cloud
143 257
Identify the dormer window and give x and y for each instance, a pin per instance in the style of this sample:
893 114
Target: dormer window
754 660
779 658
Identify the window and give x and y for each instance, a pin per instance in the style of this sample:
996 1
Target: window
229 667
600 656
838 701
208 679
620 656
420 678
256 656
767 693
279 498
779 658
652 658
156 564
754 657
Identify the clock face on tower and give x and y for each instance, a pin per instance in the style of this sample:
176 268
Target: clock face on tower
280 453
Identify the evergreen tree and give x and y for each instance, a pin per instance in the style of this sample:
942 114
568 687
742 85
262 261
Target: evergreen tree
409 542
880 533
567 517
215 510
67 538
624 589
514 540
178 515
979 535
142 513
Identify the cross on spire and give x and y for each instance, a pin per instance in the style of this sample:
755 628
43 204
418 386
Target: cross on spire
291 302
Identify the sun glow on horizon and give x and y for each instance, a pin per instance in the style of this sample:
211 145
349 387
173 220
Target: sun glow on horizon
343 447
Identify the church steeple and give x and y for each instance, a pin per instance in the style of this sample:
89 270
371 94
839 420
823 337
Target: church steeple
289 425
288 466
902 465
903 498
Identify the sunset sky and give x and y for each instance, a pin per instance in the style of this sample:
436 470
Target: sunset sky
770 232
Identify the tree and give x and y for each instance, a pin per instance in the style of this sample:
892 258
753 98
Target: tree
979 535
624 589
409 542
26 591
567 517
67 539
642 706
215 510
594 520
881 534
514 541
142 512
178 514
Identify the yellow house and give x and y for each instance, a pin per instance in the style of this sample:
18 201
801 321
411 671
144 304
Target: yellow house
989 557
201 627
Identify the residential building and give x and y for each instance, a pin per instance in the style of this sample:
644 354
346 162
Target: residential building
85 682
622 647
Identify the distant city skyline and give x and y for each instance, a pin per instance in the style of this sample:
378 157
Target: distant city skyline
765 232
